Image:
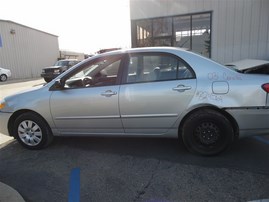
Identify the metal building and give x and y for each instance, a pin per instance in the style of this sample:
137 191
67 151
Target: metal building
25 51
224 30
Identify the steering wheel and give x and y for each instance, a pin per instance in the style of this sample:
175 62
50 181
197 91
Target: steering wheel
87 81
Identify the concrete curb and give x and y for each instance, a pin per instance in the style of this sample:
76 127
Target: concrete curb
4 139
11 81
9 194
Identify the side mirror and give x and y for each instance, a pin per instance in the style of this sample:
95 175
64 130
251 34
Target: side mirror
58 84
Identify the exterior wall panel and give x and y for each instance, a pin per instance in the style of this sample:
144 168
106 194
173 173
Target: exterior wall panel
263 31
26 51
240 28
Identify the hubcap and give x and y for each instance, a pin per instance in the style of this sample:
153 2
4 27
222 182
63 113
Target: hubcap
30 133
208 133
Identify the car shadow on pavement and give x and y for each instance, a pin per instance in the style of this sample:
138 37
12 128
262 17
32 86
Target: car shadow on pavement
245 154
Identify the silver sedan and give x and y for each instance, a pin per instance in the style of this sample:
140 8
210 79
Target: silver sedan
149 92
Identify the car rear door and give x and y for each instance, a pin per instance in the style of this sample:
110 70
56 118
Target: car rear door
157 88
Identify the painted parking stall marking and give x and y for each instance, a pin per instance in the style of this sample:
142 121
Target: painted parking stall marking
74 186
262 139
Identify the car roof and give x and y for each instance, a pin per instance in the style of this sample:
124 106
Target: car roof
142 49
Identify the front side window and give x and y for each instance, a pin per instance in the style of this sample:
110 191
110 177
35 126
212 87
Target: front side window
102 72
156 67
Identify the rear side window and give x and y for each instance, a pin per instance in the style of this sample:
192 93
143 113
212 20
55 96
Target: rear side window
156 67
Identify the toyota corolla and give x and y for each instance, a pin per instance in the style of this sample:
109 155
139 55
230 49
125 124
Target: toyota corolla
149 92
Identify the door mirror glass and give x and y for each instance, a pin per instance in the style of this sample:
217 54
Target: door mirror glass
58 84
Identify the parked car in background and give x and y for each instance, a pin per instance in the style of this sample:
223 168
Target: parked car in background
4 74
250 66
59 67
144 92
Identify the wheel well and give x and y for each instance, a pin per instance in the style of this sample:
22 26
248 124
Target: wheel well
223 112
16 115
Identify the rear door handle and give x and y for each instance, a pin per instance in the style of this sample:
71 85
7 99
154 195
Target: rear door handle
181 88
108 93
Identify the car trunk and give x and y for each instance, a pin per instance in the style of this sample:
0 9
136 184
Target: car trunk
250 66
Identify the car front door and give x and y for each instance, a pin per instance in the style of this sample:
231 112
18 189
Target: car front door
158 88
88 103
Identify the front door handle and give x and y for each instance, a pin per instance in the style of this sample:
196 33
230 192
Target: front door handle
108 93
181 88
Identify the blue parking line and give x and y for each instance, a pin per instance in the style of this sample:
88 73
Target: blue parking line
74 186
262 139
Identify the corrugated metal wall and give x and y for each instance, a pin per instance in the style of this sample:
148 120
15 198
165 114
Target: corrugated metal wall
25 51
240 28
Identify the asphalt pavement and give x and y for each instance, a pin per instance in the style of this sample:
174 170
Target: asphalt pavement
134 169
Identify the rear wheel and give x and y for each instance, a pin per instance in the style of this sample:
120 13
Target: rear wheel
32 131
3 77
207 132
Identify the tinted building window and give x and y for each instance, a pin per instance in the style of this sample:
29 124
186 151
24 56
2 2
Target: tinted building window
192 32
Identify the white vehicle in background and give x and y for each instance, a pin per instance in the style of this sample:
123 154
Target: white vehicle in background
4 74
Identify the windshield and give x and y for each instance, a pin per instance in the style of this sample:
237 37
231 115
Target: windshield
61 63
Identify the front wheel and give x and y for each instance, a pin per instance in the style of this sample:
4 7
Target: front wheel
32 131
207 132
3 77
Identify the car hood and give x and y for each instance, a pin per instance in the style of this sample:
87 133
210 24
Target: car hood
3 69
25 98
250 66
32 89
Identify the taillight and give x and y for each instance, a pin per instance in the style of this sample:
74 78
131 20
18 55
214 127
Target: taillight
265 87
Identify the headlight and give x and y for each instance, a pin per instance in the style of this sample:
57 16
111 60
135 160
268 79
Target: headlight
2 104
56 71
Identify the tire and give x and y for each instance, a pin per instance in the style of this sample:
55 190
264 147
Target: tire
48 80
32 131
207 132
3 77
